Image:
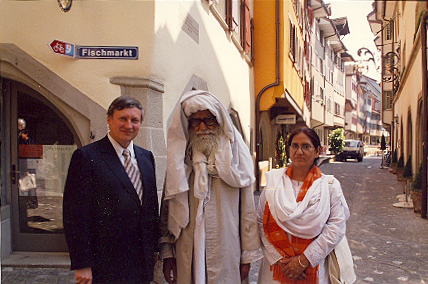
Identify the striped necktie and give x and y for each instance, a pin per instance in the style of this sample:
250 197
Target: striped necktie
133 174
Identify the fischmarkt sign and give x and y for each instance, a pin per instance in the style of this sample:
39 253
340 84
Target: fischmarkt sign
107 52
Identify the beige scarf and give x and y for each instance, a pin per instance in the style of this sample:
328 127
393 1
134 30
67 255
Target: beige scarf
202 168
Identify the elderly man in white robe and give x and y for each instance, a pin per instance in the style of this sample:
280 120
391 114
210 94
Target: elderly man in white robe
208 220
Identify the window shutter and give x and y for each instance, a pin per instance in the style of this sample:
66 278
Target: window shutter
296 42
245 26
310 15
291 41
229 15
252 38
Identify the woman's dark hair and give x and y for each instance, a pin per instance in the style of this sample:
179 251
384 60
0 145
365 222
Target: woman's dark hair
310 133
124 102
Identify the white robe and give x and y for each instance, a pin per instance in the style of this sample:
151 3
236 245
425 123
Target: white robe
231 234
331 232
230 231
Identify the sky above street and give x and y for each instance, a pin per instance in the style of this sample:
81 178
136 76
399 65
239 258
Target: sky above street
360 34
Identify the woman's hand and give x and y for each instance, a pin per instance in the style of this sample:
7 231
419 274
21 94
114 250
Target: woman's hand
292 269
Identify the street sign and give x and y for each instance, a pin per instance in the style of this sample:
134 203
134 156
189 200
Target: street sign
286 119
63 48
107 52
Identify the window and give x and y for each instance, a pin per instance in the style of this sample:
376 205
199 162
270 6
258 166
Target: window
322 39
337 109
315 87
236 15
235 19
387 99
246 27
389 30
292 41
320 65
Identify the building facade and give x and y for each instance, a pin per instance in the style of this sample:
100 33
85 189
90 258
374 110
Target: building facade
60 72
281 71
328 72
400 28
351 96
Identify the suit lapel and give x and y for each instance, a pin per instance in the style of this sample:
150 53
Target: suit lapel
109 155
142 165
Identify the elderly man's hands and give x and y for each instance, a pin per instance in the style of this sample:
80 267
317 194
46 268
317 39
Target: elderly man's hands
170 266
245 270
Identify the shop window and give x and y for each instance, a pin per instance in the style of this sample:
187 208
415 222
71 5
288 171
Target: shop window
45 146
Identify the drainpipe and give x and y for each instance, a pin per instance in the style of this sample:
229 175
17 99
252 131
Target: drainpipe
424 112
259 95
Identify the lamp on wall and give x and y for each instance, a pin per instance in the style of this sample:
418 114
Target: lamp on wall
65 5
396 119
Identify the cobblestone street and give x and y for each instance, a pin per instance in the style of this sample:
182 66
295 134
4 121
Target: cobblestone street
389 244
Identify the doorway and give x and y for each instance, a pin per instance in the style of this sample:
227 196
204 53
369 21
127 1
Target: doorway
41 144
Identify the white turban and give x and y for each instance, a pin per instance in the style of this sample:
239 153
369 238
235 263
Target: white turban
232 159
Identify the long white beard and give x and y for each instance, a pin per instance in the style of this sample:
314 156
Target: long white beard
206 144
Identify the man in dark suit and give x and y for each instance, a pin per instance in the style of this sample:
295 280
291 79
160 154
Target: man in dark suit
111 215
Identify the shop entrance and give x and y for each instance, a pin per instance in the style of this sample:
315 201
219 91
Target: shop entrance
41 144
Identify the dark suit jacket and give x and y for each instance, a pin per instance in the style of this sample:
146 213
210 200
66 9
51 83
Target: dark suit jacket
106 227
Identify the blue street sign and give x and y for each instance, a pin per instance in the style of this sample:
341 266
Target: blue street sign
69 49
107 52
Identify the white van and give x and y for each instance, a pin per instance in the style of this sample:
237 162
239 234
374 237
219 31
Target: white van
353 149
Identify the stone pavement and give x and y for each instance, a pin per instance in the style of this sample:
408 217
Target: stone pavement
18 275
389 245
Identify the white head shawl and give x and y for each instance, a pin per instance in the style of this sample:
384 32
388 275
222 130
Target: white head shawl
232 160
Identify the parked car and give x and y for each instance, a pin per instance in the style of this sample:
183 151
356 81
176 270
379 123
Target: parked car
353 149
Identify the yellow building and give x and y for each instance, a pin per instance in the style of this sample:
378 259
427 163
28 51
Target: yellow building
299 74
281 72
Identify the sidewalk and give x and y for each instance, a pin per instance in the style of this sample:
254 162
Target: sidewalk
30 267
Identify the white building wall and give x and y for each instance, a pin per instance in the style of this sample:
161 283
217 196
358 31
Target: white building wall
214 58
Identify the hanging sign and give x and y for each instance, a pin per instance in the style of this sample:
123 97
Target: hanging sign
94 52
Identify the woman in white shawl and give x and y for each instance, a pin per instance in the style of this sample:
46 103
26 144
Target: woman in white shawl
302 217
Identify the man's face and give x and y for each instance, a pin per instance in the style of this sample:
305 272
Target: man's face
124 125
203 122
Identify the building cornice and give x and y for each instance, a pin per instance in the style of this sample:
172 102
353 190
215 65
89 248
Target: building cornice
139 82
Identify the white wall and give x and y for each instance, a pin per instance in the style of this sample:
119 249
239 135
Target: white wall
215 58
